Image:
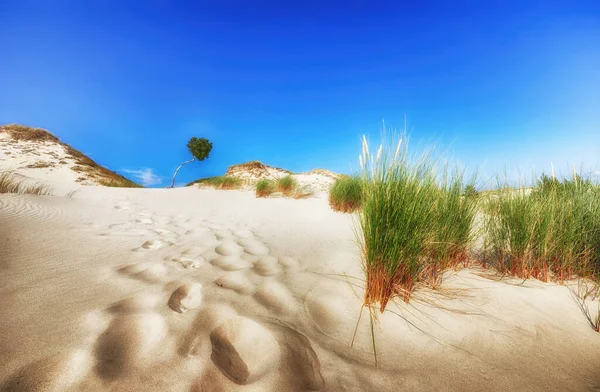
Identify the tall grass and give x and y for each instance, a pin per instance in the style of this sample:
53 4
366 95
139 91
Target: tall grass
551 233
119 182
345 195
414 220
220 182
264 187
10 184
286 184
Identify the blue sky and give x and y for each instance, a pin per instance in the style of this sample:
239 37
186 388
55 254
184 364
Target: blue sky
512 84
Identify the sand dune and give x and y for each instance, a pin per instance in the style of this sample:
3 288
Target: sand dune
205 290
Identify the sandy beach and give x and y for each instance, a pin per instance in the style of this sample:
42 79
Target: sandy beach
203 290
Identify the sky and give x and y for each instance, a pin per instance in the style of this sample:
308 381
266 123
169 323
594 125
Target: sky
500 86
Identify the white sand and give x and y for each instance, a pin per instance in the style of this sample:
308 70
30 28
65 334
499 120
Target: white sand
203 290
91 299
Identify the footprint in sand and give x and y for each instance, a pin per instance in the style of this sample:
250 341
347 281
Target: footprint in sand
122 206
187 296
254 246
229 248
139 303
196 251
153 245
237 282
125 230
147 271
144 221
189 262
290 265
224 234
273 295
130 341
231 263
244 233
267 266
244 350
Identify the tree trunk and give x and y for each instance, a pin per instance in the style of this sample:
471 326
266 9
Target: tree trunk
176 171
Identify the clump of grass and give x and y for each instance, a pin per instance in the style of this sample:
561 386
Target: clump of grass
264 187
551 233
220 182
118 182
303 192
10 184
345 195
414 221
286 184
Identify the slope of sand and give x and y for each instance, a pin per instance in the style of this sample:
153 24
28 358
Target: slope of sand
203 290
35 155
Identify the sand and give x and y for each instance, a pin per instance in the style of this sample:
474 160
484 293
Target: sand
193 289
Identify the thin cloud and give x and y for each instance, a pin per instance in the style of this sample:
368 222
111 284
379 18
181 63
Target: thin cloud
146 176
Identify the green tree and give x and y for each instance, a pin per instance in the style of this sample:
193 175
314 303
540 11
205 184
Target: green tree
200 150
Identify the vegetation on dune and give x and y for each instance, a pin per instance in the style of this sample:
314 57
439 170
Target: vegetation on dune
119 183
264 187
83 163
9 183
345 195
286 184
220 182
551 233
25 133
414 223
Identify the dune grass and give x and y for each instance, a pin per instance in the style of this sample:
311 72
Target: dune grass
220 182
345 195
552 232
286 184
414 222
10 184
121 182
264 187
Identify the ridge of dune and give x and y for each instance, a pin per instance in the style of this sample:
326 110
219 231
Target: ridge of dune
38 155
316 180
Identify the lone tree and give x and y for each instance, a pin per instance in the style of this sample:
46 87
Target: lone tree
199 148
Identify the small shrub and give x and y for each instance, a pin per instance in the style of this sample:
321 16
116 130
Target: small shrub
345 195
10 184
286 184
264 187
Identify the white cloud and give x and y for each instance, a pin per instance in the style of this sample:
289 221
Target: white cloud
146 177
597 173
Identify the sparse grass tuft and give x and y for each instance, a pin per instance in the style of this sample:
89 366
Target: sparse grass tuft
345 195
264 187
303 192
25 133
118 183
286 184
220 182
10 184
